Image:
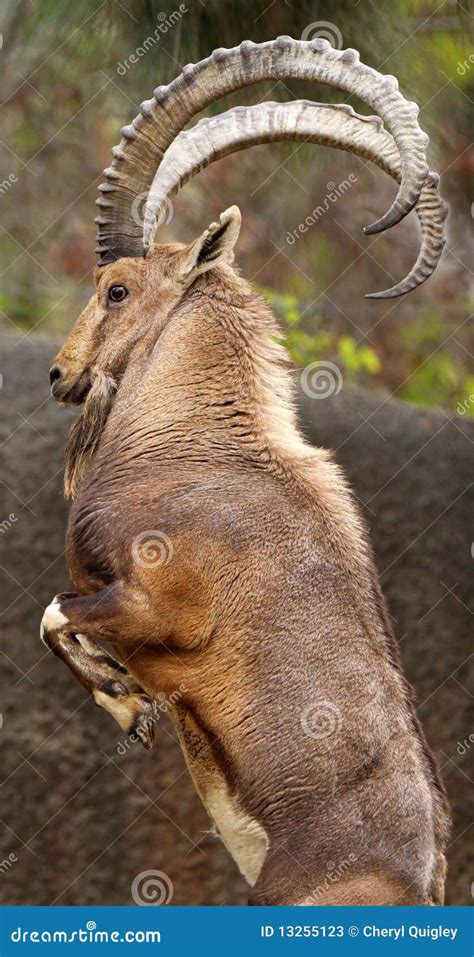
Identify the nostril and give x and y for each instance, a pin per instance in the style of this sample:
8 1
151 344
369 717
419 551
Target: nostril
55 374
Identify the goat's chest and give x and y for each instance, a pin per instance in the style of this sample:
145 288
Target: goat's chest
90 543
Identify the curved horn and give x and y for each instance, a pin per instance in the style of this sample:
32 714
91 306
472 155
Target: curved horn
172 107
323 123
432 212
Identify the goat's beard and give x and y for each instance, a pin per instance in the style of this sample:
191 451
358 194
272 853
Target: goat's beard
84 435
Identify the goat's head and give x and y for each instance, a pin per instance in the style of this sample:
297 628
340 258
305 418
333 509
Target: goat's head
138 284
133 299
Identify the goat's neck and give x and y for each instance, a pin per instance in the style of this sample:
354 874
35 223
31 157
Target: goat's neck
214 383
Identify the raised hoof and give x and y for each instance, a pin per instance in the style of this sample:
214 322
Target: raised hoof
144 726
134 712
52 623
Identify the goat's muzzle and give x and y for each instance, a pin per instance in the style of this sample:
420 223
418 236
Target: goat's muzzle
67 389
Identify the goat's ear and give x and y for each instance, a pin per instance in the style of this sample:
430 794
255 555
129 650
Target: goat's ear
214 246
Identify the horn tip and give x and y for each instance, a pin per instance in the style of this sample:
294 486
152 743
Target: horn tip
386 294
391 218
401 289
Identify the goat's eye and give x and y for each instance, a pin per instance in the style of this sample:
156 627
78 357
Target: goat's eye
118 293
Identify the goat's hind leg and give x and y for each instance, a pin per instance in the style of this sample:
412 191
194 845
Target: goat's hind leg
108 681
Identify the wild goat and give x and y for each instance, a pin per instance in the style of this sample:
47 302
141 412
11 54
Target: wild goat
216 551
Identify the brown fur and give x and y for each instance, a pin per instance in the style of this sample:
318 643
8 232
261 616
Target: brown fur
267 605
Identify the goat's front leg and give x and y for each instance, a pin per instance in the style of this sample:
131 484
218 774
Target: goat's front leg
111 685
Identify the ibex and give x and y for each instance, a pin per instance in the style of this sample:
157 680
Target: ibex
214 549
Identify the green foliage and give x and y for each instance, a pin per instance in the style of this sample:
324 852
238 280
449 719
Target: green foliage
437 379
18 310
439 373
426 331
357 360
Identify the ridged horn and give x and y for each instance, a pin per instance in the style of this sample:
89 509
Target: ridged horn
432 212
162 118
336 125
